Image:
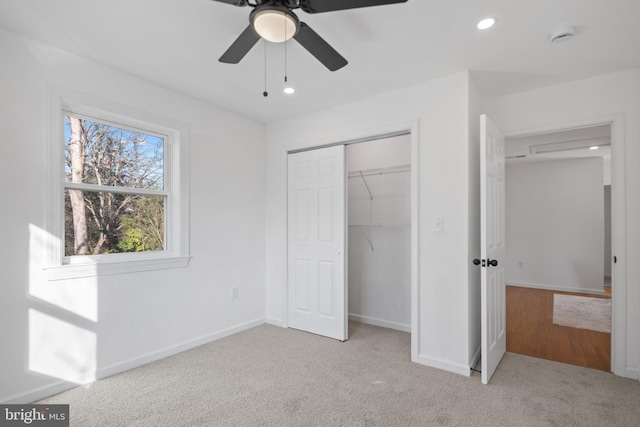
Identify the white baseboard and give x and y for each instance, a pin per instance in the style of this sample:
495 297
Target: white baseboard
119 367
475 358
632 373
38 393
444 365
276 322
379 322
116 368
556 288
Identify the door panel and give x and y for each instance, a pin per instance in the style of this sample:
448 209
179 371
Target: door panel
326 279
316 242
301 284
325 214
493 296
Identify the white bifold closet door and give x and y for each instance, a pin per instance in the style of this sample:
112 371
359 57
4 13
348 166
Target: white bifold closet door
316 242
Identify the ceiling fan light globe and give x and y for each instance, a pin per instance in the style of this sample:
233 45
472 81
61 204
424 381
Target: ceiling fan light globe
275 26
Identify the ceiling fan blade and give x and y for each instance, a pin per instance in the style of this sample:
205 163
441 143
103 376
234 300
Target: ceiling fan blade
234 2
240 47
317 6
319 48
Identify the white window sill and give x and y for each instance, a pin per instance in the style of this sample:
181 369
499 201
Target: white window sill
106 268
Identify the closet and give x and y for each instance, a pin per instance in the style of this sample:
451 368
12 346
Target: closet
379 232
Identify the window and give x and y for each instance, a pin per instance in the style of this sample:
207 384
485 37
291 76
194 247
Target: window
119 191
114 188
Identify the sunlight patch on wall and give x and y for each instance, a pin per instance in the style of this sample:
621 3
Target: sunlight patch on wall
61 350
77 296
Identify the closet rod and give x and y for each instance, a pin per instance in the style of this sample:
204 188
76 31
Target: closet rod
379 171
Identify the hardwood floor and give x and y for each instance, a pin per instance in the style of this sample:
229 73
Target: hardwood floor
530 331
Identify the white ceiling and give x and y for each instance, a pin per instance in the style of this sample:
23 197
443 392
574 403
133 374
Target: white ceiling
177 43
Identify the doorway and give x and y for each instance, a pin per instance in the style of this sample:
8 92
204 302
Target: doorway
557 238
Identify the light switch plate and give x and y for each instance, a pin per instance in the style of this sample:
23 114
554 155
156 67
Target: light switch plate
438 225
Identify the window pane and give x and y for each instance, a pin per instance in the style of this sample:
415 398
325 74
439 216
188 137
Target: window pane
102 154
101 223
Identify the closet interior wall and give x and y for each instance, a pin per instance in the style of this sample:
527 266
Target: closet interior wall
379 235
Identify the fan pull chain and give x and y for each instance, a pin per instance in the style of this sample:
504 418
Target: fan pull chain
265 93
286 41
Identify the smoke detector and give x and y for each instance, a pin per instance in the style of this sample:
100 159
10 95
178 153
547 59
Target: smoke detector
562 34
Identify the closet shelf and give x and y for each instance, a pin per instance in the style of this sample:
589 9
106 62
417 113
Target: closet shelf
379 171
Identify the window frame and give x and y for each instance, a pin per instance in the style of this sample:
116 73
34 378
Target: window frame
176 185
165 192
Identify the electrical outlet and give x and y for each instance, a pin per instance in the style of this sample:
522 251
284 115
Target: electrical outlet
234 293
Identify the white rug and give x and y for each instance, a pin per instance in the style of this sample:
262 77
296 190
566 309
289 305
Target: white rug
582 312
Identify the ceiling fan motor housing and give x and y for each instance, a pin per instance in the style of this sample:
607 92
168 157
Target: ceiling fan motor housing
274 22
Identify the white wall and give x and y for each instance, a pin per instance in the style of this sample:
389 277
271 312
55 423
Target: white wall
134 318
614 97
555 225
379 237
476 108
441 108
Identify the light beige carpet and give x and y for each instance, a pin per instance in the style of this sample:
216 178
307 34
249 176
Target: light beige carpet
269 376
582 312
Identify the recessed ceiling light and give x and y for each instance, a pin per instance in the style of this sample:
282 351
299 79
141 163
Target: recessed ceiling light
289 90
486 23
595 147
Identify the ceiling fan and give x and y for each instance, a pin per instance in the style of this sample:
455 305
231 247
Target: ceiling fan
274 21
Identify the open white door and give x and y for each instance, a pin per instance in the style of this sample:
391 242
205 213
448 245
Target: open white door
316 206
492 241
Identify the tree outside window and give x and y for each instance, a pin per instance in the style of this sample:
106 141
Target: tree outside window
115 195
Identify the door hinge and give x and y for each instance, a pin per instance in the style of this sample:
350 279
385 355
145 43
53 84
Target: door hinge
615 259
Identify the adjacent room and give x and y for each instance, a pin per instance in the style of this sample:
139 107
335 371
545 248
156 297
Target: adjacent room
312 212
558 191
